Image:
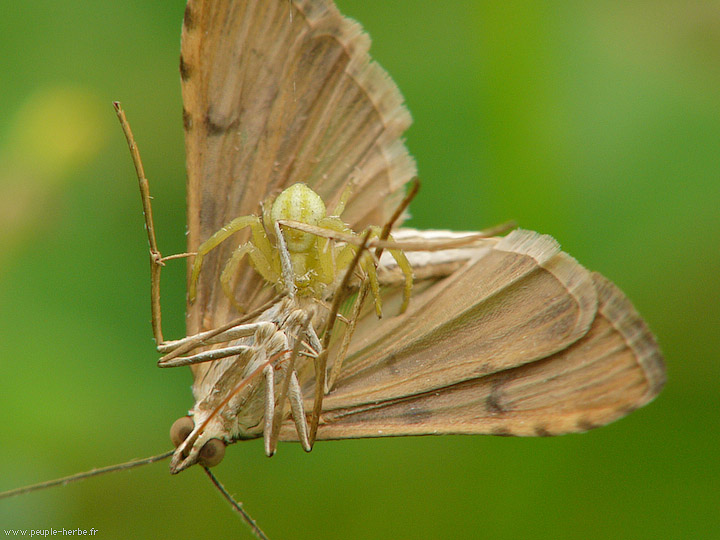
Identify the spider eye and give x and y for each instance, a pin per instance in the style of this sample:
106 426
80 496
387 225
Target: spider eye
212 453
181 428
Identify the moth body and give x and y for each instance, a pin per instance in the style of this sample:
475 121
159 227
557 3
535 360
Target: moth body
253 381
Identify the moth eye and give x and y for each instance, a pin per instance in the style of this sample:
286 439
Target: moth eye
181 428
212 453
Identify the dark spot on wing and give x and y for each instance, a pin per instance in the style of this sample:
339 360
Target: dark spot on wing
185 69
501 432
189 18
627 408
391 365
416 415
493 402
586 425
482 369
214 127
187 120
542 431
559 313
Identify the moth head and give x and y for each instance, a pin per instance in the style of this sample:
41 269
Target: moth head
298 203
193 445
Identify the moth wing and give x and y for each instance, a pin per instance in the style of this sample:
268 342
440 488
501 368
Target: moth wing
277 92
517 301
542 348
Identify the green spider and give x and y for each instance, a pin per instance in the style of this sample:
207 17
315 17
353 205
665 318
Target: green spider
297 261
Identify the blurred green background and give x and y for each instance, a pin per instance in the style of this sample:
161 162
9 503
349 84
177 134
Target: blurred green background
597 122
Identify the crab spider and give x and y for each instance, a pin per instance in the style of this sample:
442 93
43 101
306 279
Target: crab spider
301 262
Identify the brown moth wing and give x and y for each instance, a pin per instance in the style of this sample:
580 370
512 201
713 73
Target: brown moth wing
612 368
519 301
277 92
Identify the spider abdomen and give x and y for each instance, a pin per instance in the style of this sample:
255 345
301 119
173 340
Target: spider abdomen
298 203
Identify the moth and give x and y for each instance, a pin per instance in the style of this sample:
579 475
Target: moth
505 336
502 335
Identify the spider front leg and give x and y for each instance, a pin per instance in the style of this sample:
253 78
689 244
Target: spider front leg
332 262
403 264
259 239
368 264
261 261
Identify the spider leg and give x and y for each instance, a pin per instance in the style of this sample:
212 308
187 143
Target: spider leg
407 271
327 255
403 264
367 264
332 261
259 262
340 206
215 240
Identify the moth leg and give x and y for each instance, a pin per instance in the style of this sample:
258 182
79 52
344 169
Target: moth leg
205 356
212 336
269 375
215 240
314 340
285 263
298 411
271 440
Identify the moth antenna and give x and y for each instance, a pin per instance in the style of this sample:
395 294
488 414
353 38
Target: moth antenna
321 360
237 506
84 475
342 289
156 260
349 331
499 229
285 262
425 245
